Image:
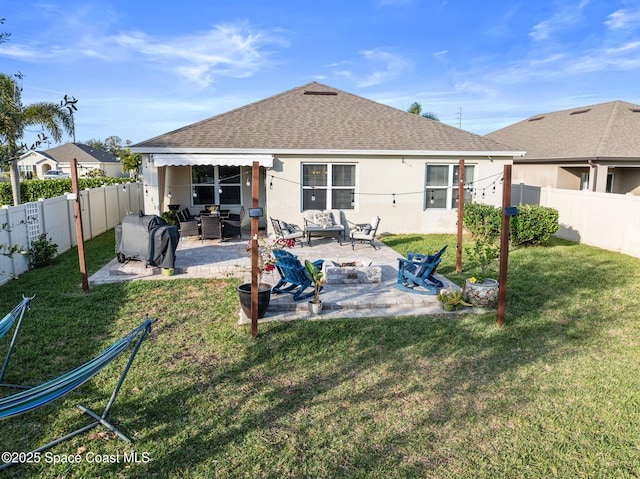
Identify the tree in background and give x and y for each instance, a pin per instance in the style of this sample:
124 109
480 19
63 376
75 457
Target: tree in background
54 119
416 109
112 144
130 162
4 36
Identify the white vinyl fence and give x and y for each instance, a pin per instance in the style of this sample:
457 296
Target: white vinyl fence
607 220
101 210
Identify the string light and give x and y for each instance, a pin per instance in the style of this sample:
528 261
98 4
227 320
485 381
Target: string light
469 186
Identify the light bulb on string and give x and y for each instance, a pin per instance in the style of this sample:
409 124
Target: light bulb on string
220 190
394 200
169 195
432 200
271 183
195 195
248 182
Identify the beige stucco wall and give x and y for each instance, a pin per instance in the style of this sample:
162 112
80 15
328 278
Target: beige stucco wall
377 178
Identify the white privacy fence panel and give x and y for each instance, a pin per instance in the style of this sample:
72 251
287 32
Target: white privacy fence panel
101 209
606 220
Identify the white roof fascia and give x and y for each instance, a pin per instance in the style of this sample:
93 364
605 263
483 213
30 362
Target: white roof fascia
275 151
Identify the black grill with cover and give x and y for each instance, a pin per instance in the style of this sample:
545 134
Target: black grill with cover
146 238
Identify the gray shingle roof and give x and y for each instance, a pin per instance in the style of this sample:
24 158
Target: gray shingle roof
605 130
318 117
81 152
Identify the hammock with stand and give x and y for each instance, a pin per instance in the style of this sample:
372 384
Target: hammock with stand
40 395
15 316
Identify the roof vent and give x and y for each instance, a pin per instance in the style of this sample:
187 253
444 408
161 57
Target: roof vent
536 118
635 110
315 92
577 112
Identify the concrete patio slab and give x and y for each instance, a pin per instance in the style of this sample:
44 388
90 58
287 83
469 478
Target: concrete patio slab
216 259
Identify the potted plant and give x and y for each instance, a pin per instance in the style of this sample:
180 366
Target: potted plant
451 299
480 291
318 279
266 264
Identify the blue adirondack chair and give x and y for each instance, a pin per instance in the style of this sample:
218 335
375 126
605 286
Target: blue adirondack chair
293 276
416 273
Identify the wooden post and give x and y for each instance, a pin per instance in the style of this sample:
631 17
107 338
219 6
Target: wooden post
77 213
504 246
255 191
460 216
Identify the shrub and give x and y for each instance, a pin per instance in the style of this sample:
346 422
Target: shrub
42 252
533 225
33 190
171 217
482 221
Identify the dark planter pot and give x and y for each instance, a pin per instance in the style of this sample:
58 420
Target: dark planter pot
264 296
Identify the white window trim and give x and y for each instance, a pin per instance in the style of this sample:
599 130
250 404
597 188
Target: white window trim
329 187
449 188
216 185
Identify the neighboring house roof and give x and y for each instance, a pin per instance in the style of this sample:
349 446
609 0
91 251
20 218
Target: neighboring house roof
602 131
320 118
79 151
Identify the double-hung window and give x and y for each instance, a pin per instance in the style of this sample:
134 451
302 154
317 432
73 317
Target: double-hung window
216 185
441 191
328 186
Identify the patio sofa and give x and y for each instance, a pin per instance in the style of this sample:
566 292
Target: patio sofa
323 223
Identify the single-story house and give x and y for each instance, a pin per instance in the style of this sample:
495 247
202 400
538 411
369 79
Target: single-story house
594 148
322 148
34 163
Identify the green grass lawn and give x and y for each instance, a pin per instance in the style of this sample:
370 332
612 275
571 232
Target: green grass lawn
553 393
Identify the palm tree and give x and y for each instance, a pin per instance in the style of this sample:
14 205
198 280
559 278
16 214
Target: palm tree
416 109
55 119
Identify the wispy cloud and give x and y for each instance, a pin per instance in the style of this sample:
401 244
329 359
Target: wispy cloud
623 19
373 67
566 16
226 50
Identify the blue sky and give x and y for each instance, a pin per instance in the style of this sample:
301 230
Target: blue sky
142 68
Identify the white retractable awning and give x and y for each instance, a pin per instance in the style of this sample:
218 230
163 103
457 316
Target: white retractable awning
210 159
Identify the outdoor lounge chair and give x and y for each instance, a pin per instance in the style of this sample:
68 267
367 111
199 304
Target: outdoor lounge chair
210 227
232 225
189 228
14 317
293 276
416 273
286 231
37 396
365 232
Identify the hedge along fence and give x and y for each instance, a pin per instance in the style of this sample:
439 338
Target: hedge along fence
533 225
34 190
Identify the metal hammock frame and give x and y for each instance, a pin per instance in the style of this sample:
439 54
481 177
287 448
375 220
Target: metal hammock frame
15 316
45 393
